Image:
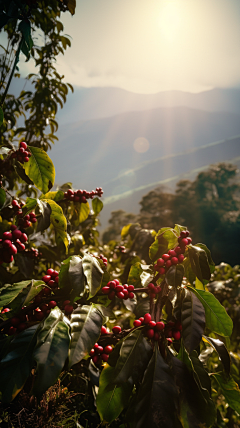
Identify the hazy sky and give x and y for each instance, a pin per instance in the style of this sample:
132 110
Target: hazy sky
147 46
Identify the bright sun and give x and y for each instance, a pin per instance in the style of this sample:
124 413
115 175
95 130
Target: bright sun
170 20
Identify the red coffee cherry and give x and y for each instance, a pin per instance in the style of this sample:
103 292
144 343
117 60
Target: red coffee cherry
46 278
180 258
111 295
161 271
131 288
165 257
137 323
152 324
168 264
150 333
184 241
17 234
160 262
104 330
95 359
131 295
172 253
12 330
105 357
151 287
156 336
23 145
39 315
147 318
105 290
178 250
15 321
116 329
92 352
119 288
68 309
108 349
176 335
174 260
52 304
160 326
120 295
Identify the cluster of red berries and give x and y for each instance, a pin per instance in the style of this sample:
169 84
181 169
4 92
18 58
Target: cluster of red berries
67 307
153 289
23 221
33 253
155 329
121 291
82 195
20 322
11 243
22 154
51 279
99 353
104 259
175 256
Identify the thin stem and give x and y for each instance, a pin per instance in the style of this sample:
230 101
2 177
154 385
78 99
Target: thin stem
12 72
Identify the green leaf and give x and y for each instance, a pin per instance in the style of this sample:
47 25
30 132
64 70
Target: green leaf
174 275
209 257
111 399
27 43
199 262
230 390
217 319
1 116
195 411
86 323
193 320
51 350
125 230
71 4
54 196
21 172
40 169
45 211
71 277
20 294
59 222
83 211
97 205
30 205
2 197
16 366
165 239
222 351
156 401
134 357
93 273
134 276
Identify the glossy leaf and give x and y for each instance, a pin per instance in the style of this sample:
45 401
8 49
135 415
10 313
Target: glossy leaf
59 222
193 320
134 276
16 366
230 390
165 239
40 169
195 410
56 196
44 220
134 356
93 273
29 206
199 262
111 399
222 351
156 401
2 197
82 212
51 350
209 257
71 276
20 294
97 205
86 323
174 275
217 319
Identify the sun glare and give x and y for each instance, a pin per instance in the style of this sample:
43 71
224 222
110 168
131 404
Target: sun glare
170 20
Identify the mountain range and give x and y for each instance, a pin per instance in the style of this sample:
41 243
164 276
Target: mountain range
128 143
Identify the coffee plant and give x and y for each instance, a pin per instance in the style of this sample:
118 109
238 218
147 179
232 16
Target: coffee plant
136 317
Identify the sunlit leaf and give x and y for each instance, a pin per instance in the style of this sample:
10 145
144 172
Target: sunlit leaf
40 169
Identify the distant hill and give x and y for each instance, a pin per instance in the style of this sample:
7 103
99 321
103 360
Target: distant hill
93 103
96 152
